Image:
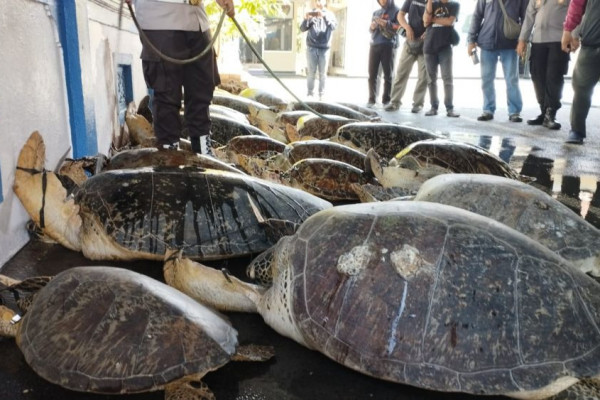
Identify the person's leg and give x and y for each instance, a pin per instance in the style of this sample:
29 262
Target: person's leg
489 59
422 82
374 52
557 67
200 79
538 60
510 67
585 77
387 66
166 80
401 78
311 69
323 66
431 61
445 59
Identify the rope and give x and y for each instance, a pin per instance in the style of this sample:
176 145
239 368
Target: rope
210 45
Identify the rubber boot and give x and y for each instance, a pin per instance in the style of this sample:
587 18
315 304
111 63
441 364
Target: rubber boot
550 121
539 120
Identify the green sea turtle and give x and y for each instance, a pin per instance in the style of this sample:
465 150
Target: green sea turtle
364 110
114 331
387 139
223 129
331 109
216 109
264 97
138 213
141 132
296 151
316 127
249 150
524 208
236 102
423 294
425 159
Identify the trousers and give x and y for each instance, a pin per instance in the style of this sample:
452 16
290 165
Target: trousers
585 76
548 66
405 66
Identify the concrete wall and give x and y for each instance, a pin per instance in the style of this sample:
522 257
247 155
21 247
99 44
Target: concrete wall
34 89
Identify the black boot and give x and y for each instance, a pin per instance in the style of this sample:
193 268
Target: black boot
195 141
539 120
550 121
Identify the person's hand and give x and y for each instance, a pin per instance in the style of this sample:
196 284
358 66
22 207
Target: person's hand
427 18
575 43
382 22
470 48
521 48
410 34
566 42
227 5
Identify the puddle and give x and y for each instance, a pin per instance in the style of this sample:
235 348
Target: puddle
580 193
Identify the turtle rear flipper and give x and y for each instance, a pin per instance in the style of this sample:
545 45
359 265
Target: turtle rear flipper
253 352
188 389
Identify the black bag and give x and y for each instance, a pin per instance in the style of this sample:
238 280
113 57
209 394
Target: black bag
454 38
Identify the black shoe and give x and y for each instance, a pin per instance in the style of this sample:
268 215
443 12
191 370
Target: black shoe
431 112
451 113
486 116
515 118
549 120
575 138
539 120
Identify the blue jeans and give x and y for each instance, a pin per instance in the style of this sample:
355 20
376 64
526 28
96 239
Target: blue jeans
510 68
317 59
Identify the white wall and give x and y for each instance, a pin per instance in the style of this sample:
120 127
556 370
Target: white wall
32 98
33 95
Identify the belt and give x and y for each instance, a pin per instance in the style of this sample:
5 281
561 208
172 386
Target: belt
190 2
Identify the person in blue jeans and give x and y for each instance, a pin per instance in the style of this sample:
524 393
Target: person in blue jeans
487 33
319 24
439 19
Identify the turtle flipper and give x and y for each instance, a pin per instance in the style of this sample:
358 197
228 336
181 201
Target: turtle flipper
188 389
253 352
7 327
586 389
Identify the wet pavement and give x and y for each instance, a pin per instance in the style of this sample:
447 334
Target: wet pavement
567 172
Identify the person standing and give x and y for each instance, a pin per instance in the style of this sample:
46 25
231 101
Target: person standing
180 30
319 23
384 40
487 32
439 19
586 73
548 63
412 51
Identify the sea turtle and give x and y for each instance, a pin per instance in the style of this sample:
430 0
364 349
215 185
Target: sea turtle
224 128
423 294
138 213
364 110
524 208
387 139
264 97
114 331
141 132
296 151
331 108
236 102
425 159
316 127
152 157
216 109
242 148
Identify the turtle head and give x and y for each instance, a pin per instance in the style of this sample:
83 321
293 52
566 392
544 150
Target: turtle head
260 269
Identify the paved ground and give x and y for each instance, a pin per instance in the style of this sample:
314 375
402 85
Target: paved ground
570 173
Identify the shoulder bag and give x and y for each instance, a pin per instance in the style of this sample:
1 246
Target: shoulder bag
511 28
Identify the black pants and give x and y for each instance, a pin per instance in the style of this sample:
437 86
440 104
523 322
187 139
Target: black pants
167 79
549 64
585 77
381 54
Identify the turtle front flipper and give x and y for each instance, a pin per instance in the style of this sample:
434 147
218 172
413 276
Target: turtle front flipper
7 327
188 389
44 197
210 286
253 352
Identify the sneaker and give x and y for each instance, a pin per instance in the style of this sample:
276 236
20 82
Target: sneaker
451 113
515 118
416 109
392 107
431 112
486 116
575 138
539 120
206 145
172 146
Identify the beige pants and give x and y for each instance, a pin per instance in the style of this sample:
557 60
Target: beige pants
405 65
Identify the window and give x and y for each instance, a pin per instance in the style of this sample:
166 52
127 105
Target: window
279 30
124 85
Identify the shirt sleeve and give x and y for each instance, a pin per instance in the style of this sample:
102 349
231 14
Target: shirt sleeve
574 14
528 22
